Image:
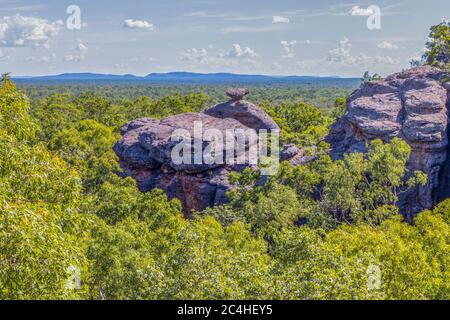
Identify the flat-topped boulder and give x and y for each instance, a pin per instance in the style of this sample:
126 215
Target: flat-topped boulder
237 93
243 111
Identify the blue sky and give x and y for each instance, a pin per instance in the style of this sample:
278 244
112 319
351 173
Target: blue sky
280 37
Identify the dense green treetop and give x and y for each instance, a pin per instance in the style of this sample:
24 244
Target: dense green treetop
71 228
438 45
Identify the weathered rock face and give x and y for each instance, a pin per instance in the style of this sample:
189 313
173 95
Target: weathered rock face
145 152
412 105
245 112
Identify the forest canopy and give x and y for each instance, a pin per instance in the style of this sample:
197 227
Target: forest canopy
72 228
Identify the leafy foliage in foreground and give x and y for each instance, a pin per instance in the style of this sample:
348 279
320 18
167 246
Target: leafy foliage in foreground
70 228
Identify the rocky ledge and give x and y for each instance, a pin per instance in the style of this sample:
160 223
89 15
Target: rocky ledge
412 105
146 147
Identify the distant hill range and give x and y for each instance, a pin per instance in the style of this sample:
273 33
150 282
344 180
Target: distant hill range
186 78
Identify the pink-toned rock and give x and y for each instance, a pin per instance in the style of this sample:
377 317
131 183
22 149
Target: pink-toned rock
237 93
412 105
146 147
243 111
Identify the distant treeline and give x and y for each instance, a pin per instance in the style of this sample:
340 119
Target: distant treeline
322 96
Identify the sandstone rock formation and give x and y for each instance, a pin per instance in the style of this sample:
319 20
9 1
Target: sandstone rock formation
243 111
237 93
145 152
412 105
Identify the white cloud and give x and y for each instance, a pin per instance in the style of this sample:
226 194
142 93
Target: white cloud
341 53
73 58
358 11
138 24
387 45
196 56
280 19
20 31
42 59
238 57
342 60
79 53
240 52
342 56
142 58
385 60
288 48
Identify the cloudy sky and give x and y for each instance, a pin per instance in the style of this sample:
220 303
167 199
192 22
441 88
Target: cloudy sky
280 37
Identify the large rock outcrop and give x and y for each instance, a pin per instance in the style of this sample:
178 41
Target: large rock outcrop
412 105
145 152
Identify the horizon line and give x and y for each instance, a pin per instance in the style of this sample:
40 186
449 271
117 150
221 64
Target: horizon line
187 72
